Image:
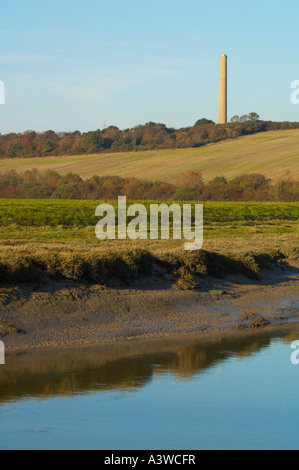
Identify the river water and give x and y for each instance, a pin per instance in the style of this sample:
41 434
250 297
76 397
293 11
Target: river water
230 393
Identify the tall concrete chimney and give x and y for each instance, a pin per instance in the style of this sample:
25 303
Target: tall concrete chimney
222 118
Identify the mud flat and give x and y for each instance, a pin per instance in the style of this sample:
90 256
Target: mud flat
65 314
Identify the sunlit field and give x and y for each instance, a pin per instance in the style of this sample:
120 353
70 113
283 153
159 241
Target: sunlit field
274 154
69 220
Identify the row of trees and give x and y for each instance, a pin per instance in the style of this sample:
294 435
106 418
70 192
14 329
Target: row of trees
188 187
143 137
245 118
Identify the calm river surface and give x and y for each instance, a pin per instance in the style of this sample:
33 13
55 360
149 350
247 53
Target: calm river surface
188 394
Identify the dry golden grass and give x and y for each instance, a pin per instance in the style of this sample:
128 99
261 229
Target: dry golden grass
21 262
274 154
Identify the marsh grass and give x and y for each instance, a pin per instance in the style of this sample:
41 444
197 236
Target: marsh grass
57 238
51 221
92 263
92 266
81 213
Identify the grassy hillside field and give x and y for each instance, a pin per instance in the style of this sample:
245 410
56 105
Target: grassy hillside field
274 154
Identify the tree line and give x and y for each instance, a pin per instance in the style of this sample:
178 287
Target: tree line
142 137
188 186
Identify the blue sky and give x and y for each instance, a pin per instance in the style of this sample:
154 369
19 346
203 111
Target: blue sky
73 64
